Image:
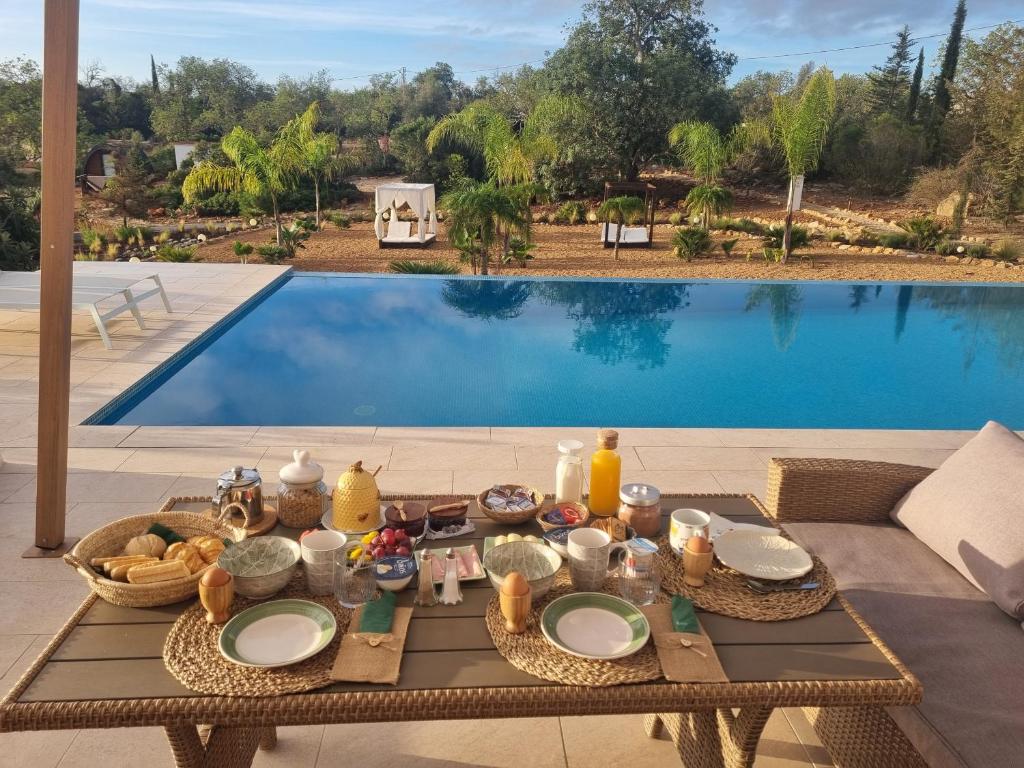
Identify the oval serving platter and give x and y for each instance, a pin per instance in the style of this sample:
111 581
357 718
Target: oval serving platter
277 633
594 625
763 555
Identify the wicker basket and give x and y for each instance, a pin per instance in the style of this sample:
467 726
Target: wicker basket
581 509
511 518
110 540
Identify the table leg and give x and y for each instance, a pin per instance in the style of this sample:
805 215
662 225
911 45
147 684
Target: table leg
268 738
652 726
714 738
225 747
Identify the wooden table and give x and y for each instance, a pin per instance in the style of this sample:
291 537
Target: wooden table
105 670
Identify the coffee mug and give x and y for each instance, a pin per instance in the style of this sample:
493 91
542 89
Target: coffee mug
685 523
590 551
319 549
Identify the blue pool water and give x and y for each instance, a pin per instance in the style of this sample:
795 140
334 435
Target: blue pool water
348 350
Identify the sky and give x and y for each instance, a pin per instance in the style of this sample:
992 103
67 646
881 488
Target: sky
351 40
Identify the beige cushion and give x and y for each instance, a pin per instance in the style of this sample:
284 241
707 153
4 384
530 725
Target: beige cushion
970 511
968 655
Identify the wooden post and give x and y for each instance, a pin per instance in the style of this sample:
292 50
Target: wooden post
60 108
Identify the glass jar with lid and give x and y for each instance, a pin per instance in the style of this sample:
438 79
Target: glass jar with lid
640 508
301 494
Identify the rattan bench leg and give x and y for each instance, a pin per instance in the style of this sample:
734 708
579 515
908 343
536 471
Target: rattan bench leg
268 738
714 738
225 747
652 726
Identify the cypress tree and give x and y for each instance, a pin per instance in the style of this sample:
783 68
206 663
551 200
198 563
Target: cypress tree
890 82
152 74
915 88
940 92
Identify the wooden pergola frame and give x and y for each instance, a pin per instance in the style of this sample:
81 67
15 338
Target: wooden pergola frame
641 189
56 259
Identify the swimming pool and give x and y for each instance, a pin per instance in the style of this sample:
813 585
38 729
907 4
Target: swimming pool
324 349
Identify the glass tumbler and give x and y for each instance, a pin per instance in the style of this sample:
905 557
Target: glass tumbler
353 585
638 577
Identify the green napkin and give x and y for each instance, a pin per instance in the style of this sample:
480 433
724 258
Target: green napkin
683 617
377 614
165 533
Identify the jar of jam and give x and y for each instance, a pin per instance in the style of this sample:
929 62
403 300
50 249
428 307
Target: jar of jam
640 509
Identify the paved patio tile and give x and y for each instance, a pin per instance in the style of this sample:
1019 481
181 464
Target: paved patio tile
613 740
674 480
91 436
475 480
39 607
333 459
699 458
103 748
299 747
79 459
424 435
546 457
166 460
917 456
188 437
17 523
512 743
34 749
12 482
104 486
305 437
743 481
819 756
415 481
779 746
11 648
438 455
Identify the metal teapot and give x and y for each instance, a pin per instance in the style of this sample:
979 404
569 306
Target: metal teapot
239 490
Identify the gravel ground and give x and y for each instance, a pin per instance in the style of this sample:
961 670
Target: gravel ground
576 251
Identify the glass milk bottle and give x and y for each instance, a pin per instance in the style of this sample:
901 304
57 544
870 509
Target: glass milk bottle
605 474
569 472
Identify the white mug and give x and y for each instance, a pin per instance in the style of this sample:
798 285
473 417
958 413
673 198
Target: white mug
318 553
685 523
590 551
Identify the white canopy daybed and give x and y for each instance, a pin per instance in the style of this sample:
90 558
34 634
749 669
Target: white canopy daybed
419 198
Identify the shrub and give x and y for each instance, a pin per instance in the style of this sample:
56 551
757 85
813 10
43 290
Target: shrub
948 247
423 268
774 234
978 251
242 250
293 237
690 242
123 234
773 255
1007 250
218 204
163 237
836 236
340 220
676 219
728 245
167 196
897 240
175 254
926 231
592 216
92 241
113 251
866 239
749 226
519 251
273 254
572 212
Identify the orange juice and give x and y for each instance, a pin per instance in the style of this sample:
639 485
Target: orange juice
605 474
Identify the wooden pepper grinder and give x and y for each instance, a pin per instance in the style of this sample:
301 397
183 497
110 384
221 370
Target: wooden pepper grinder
216 591
515 599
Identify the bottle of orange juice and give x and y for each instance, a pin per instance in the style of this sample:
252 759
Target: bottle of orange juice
605 474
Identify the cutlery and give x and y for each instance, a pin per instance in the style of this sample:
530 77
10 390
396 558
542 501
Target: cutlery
687 643
765 588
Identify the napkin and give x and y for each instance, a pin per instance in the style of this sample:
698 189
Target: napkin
697 663
373 657
683 617
377 614
165 533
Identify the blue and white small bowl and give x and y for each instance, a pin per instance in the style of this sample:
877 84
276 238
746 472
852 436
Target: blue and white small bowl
558 539
394 572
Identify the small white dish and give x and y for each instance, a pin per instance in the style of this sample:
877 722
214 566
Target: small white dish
763 555
327 521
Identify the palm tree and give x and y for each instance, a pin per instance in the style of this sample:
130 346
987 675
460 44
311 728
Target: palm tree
801 126
705 152
257 170
481 210
320 155
622 209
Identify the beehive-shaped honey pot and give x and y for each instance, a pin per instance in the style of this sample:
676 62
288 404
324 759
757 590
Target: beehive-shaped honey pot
356 500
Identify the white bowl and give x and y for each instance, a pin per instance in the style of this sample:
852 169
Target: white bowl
534 559
262 565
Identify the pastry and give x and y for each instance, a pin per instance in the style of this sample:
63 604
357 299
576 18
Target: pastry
186 553
408 516
447 512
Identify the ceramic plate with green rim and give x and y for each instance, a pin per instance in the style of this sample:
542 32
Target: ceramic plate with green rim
594 625
277 633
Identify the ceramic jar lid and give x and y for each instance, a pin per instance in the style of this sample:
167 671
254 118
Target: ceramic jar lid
302 471
638 495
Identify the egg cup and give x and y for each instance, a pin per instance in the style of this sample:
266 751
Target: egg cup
696 566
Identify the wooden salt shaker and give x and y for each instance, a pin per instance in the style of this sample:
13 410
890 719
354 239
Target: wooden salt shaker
515 599
216 591
697 556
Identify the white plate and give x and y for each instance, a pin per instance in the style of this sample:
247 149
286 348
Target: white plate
277 633
327 521
763 555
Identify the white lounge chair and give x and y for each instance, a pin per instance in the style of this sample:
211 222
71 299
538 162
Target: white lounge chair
631 236
20 290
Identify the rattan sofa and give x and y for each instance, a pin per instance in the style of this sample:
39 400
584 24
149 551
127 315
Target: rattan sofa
964 650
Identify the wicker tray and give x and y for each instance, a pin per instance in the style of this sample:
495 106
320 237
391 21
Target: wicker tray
192 656
725 591
511 518
533 654
110 540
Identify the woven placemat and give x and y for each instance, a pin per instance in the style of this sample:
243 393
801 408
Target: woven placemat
725 591
533 654
192 656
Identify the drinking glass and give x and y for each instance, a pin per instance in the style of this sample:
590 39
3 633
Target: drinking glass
638 577
353 585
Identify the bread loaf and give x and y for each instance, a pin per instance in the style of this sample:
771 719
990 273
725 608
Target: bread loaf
187 554
146 544
209 547
167 570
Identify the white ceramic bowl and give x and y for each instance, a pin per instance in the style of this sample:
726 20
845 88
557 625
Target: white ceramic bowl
262 565
534 559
